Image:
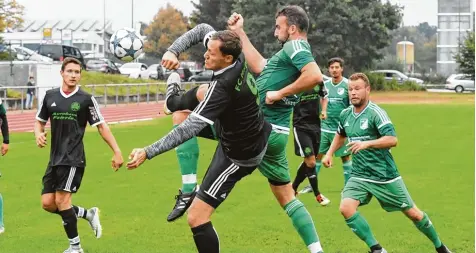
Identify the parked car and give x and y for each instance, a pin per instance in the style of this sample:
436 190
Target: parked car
202 76
460 83
102 65
133 69
26 54
150 72
397 75
184 73
58 52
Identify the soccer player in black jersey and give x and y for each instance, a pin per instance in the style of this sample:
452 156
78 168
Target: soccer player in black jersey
307 132
4 150
69 109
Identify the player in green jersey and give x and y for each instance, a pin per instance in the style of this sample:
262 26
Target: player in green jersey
338 100
290 71
371 136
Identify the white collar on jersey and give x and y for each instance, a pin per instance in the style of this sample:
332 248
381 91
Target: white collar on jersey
219 72
70 94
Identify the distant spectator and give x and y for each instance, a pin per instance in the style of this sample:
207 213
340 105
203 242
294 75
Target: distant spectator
30 93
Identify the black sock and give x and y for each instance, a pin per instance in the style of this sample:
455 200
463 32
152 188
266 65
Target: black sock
312 177
300 176
376 247
186 101
206 239
80 212
70 223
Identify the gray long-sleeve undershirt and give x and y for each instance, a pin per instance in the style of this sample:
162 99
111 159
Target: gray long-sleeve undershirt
182 133
190 38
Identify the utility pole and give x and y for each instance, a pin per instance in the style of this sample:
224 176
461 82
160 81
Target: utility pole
132 20
104 30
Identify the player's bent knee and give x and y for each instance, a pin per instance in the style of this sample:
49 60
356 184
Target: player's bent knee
348 208
310 162
414 214
48 206
283 193
199 213
179 117
202 90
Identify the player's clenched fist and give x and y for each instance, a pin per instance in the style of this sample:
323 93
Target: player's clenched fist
235 22
327 161
41 140
170 61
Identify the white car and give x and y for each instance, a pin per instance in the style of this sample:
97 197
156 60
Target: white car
150 72
26 54
133 69
459 83
397 75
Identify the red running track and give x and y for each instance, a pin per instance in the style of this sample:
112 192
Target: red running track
23 122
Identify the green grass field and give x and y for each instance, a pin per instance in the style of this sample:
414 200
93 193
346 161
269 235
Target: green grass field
436 161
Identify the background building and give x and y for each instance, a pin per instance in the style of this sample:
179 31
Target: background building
455 19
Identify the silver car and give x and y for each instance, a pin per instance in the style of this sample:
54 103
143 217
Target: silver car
460 83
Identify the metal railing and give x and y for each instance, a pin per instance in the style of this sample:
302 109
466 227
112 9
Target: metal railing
14 97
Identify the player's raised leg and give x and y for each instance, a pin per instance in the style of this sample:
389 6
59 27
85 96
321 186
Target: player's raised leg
187 156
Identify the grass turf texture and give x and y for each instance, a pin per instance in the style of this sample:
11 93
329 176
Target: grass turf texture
435 156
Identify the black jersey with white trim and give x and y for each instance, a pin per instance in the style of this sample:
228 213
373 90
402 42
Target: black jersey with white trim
232 99
68 115
306 111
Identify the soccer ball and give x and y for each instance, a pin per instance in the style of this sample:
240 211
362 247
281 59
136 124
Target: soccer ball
126 44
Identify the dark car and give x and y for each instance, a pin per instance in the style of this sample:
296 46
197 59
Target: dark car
205 75
102 65
58 52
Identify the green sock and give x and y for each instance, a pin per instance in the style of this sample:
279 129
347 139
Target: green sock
427 228
304 225
1 210
361 228
347 168
187 155
318 167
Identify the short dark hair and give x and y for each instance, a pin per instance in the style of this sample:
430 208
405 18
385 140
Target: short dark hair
230 43
334 60
69 60
361 76
295 15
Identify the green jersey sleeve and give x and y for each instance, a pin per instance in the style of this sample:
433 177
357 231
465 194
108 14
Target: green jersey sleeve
340 126
382 122
299 53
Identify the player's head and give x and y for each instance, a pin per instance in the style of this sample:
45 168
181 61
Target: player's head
292 22
224 48
359 89
71 71
336 67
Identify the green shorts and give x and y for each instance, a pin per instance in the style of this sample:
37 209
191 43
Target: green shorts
275 164
326 140
392 196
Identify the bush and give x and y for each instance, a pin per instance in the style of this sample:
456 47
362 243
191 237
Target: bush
378 83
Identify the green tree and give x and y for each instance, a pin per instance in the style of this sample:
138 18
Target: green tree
465 58
168 24
351 29
212 12
11 17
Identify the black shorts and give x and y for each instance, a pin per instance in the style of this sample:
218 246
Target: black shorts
62 178
306 143
221 177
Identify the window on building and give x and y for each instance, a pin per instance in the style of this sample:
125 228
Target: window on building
450 37
454 22
453 6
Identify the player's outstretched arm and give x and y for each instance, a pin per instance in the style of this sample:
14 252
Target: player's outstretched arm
254 59
108 137
200 33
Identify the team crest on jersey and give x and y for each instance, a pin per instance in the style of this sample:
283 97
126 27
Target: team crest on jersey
75 106
307 151
340 91
364 124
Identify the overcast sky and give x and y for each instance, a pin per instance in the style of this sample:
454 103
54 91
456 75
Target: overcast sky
119 11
